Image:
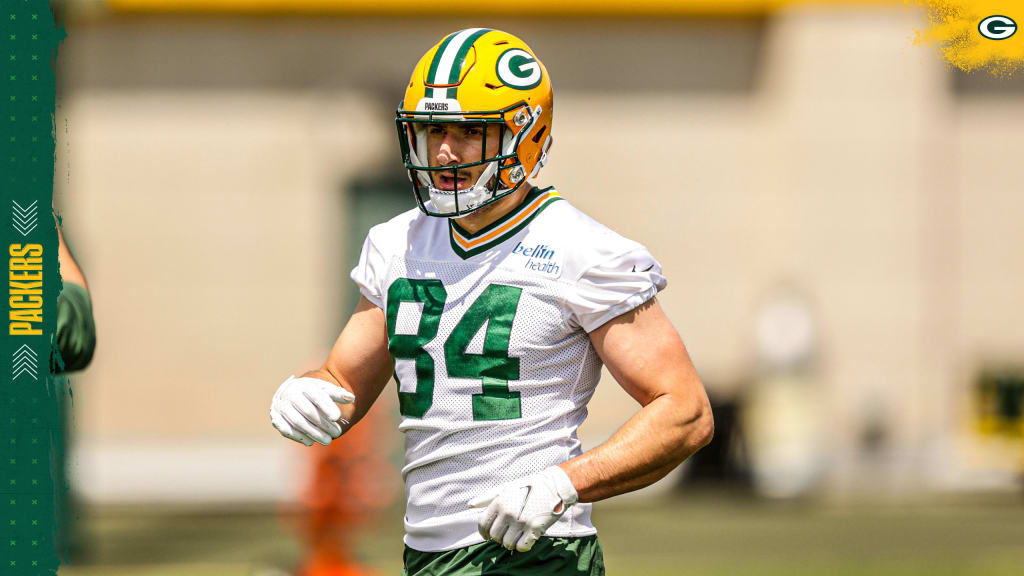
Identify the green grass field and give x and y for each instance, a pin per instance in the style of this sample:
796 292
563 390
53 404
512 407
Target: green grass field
705 534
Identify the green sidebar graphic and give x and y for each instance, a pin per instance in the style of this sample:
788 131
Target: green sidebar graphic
31 448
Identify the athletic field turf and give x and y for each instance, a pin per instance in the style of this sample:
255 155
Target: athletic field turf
699 533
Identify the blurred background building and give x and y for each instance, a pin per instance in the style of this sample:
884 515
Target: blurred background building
220 161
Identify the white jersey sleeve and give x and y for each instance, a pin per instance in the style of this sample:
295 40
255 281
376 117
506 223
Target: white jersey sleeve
382 243
369 272
615 286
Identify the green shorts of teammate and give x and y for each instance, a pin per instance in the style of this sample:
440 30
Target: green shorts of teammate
549 556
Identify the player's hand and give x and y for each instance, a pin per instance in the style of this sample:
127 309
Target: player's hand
519 512
305 410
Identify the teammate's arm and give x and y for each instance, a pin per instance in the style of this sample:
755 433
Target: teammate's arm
359 363
69 270
76 328
646 356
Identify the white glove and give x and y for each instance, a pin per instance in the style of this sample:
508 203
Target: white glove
304 410
519 512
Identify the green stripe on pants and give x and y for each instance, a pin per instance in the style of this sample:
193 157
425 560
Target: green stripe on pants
561 556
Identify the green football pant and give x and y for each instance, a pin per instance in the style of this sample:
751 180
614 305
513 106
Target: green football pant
554 556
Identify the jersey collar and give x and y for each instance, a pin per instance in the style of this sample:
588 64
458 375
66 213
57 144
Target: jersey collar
467 245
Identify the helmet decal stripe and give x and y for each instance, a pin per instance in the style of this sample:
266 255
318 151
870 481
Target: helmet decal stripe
432 74
460 57
447 63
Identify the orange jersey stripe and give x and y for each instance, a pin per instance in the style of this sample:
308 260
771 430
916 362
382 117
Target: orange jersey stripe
468 244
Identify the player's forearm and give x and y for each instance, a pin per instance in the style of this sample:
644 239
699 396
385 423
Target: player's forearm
650 445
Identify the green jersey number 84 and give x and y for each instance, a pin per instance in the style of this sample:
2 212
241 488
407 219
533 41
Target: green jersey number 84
496 306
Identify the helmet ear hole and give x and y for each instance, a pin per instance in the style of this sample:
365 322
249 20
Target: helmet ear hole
539 134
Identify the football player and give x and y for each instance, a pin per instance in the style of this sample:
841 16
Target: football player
494 304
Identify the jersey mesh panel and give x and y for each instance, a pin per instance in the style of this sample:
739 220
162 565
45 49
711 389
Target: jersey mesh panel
450 457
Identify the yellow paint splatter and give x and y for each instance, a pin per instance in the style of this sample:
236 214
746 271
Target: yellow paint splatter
953 29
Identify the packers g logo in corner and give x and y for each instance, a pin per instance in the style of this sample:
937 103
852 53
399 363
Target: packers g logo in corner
997 27
518 69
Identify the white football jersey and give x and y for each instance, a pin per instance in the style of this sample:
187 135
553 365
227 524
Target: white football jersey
488 333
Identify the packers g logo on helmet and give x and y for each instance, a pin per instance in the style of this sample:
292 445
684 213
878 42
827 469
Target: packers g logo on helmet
482 77
518 69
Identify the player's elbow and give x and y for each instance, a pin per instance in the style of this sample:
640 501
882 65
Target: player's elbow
705 429
700 428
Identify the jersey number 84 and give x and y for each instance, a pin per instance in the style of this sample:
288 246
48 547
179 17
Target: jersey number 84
496 306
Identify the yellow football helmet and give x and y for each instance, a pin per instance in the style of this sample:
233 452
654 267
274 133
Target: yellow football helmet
482 77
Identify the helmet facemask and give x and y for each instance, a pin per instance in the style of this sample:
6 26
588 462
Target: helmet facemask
503 174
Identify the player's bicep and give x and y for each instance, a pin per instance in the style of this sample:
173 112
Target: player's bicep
646 356
360 360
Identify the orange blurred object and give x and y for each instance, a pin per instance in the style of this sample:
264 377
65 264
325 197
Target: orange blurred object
352 479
